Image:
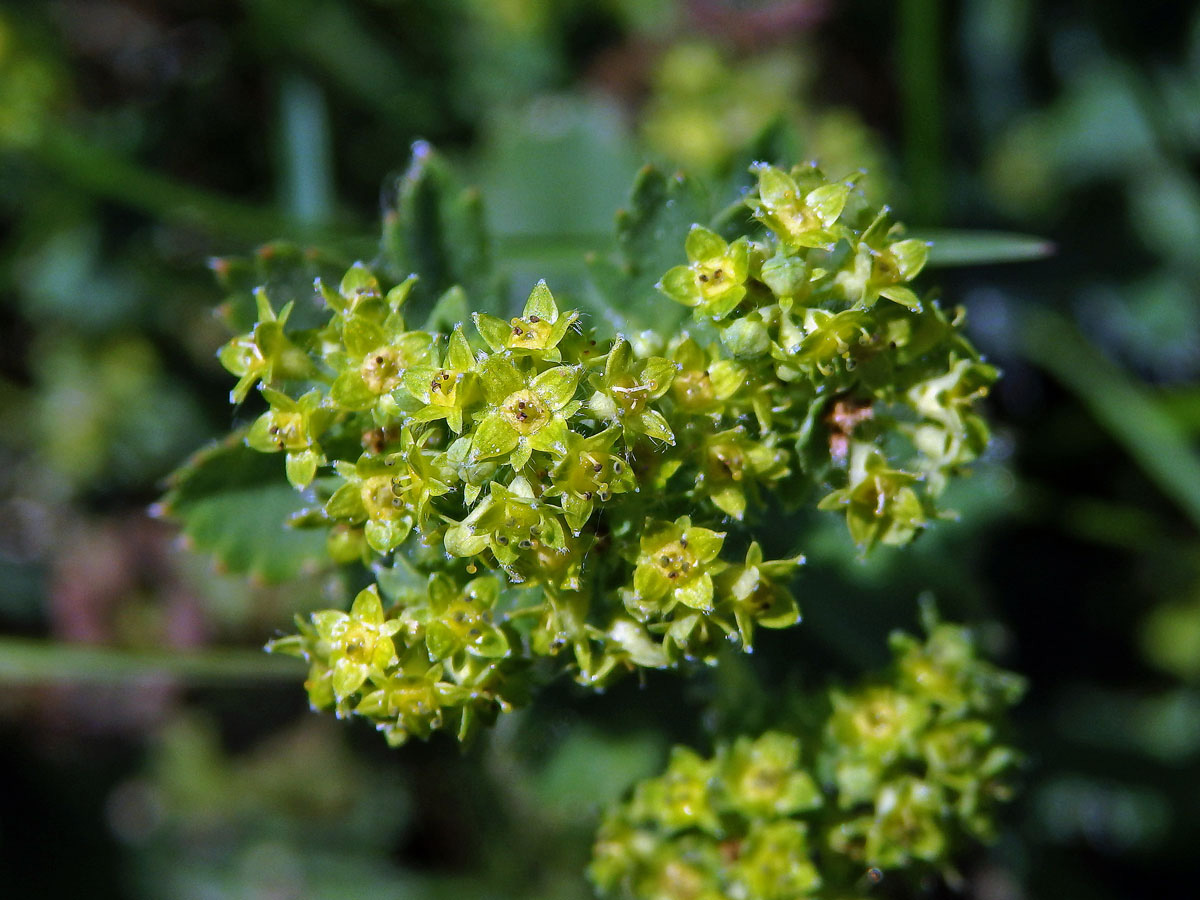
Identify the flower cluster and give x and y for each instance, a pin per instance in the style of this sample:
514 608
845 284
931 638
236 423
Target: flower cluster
438 664
606 488
901 771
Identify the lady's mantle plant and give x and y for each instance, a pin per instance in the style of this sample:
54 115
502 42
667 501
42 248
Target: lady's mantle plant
543 493
528 489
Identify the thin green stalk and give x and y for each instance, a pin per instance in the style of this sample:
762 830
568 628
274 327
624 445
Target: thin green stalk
305 151
959 247
25 661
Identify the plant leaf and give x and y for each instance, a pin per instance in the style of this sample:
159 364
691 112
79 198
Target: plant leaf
232 502
650 241
434 227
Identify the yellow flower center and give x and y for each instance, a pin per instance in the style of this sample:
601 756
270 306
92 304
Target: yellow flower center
443 387
876 720
413 696
381 497
288 432
526 412
358 643
676 562
381 369
590 477
630 395
726 462
712 278
530 334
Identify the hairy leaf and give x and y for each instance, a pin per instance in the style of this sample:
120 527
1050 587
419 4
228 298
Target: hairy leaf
232 502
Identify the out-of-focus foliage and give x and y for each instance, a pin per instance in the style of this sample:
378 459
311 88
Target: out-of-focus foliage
707 110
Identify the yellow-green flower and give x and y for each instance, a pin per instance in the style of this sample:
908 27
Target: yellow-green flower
360 293
512 524
703 381
294 427
675 567
266 354
873 728
945 670
359 643
733 464
411 700
589 473
883 271
762 777
460 619
526 412
536 332
799 218
713 282
879 501
774 863
374 364
756 593
447 390
624 392
682 797
391 495
821 339
908 824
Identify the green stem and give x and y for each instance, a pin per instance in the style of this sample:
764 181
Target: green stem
25 661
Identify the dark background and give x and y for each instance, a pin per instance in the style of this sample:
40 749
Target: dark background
140 139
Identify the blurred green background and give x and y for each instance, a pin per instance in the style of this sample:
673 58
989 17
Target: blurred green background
140 138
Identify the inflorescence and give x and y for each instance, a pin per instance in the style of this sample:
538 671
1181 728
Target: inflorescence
534 496
900 773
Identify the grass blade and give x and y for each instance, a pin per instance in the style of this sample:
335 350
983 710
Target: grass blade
960 247
1133 415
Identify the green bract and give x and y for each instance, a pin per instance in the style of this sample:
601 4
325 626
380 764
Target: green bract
532 489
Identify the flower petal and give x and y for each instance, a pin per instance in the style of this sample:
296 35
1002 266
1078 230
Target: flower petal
494 436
